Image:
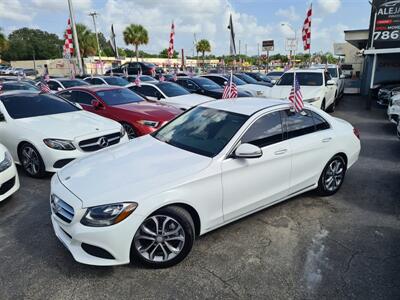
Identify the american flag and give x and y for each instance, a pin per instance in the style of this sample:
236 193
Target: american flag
295 95
68 44
162 78
174 78
230 89
306 33
171 41
137 79
44 88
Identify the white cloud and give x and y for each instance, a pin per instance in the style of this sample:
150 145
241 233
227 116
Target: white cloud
14 10
329 6
79 5
288 13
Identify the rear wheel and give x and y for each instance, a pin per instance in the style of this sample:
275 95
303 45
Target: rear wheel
332 176
332 107
130 131
31 161
165 238
323 105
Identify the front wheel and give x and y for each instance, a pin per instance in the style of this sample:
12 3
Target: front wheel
165 238
31 161
332 176
130 131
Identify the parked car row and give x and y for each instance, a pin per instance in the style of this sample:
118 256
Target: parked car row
6 70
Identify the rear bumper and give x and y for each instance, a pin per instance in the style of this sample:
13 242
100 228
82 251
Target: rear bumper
9 182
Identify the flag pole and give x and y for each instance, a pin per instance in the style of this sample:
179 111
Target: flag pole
76 42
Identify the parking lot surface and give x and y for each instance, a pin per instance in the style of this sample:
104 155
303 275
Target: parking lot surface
344 246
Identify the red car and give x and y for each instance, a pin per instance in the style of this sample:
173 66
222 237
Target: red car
137 115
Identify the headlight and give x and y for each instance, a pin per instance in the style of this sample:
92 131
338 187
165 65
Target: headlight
107 215
153 124
396 102
59 144
311 100
7 162
122 132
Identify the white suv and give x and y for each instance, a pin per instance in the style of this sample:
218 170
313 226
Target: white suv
336 73
317 87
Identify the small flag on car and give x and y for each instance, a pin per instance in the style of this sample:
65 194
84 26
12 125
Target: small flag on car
162 78
230 89
175 78
296 96
137 79
44 88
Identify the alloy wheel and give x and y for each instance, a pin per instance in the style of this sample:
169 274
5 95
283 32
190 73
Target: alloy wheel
30 160
334 175
129 131
160 238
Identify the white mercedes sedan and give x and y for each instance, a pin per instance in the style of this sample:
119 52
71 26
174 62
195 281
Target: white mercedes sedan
44 132
218 162
9 181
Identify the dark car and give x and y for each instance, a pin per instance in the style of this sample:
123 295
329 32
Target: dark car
275 75
58 84
136 115
384 91
167 77
259 77
248 79
106 80
133 68
17 86
144 78
204 86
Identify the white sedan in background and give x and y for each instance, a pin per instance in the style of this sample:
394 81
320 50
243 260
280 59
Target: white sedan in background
317 88
9 181
212 165
44 132
169 93
336 73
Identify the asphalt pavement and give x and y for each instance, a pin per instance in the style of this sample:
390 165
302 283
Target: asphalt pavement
342 247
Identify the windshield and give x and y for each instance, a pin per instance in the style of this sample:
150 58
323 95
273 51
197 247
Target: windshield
35 105
206 83
305 79
247 78
75 82
119 96
171 89
275 74
236 80
202 130
116 81
333 72
11 86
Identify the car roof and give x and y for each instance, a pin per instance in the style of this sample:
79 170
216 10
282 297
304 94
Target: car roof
19 93
244 105
305 71
95 87
323 66
65 79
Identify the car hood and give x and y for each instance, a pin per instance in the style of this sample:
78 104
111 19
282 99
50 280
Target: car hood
154 110
283 91
69 125
188 100
130 172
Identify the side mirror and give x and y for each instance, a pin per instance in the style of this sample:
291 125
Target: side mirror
273 81
2 117
97 104
59 89
78 105
342 76
331 82
248 151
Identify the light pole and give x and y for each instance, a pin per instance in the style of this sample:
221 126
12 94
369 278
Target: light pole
295 38
371 85
94 15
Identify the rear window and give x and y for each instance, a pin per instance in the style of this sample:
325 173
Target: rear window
75 82
305 79
35 105
116 81
119 96
8 86
172 89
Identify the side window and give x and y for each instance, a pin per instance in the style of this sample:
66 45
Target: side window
320 122
148 91
217 80
182 82
340 72
299 124
66 95
82 98
53 85
97 81
191 85
327 77
267 130
89 80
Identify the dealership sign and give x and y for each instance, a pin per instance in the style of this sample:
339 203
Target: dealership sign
268 45
387 26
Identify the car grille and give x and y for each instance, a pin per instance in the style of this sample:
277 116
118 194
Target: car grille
100 142
6 186
62 209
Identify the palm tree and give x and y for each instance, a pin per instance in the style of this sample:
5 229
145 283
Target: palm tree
136 35
87 40
203 46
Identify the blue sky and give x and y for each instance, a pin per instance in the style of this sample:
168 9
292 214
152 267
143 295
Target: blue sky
254 20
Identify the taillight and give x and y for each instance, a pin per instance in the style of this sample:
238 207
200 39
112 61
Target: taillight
356 132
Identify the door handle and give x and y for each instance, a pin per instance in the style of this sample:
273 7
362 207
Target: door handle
326 140
280 152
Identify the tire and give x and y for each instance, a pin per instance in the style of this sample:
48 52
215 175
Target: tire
332 107
323 105
153 249
130 131
31 161
335 169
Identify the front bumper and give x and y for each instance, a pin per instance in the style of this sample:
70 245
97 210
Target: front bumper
9 182
393 113
115 239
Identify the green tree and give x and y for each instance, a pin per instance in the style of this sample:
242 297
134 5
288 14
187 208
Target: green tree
26 44
3 42
136 35
203 46
164 54
87 40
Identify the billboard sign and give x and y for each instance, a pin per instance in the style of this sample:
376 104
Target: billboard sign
387 25
291 44
268 45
